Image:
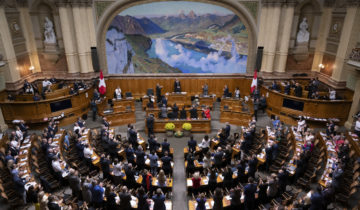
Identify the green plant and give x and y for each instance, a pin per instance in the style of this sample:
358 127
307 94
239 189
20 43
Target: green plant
178 134
169 126
187 126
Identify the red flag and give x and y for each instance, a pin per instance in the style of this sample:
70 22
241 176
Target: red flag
102 85
254 82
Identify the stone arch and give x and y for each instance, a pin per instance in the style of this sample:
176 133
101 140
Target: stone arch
239 9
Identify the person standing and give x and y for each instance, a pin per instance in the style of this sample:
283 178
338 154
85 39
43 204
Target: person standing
256 107
298 90
93 107
150 124
158 93
159 200
177 86
263 103
205 88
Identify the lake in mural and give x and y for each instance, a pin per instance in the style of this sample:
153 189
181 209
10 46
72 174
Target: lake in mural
176 37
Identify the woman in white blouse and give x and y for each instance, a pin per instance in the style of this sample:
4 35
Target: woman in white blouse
117 93
237 92
19 133
301 124
205 144
207 161
118 174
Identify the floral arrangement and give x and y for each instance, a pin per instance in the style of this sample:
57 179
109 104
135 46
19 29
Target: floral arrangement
169 126
187 126
178 134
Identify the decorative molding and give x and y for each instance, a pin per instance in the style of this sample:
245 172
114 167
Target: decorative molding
100 7
252 6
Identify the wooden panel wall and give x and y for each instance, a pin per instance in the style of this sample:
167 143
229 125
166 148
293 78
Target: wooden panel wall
138 86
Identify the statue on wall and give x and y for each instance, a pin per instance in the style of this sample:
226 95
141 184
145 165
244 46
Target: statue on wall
49 33
303 34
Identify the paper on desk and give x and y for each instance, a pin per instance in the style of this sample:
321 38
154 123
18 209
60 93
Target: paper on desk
189 182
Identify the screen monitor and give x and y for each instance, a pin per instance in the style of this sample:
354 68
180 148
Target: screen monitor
60 105
292 104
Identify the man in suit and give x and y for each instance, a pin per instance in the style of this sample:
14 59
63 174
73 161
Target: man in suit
193 113
105 166
74 182
53 204
249 192
163 111
166 160
253 166
227 130
218 157
150 124
192 144
158 93
287 88
153 144
93 107
256 107
226 91
130 176
175 112
298 90
133 136
177 86
140 158
317 199
165 146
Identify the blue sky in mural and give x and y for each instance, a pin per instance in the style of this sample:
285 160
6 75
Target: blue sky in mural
173 8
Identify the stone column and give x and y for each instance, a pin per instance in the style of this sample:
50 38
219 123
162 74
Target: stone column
355 106
10 70
285 38
91 21
69 39
324 29
272 29
262 25
348 39
27 28
86 28
80 37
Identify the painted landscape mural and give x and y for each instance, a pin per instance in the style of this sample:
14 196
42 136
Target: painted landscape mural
176 37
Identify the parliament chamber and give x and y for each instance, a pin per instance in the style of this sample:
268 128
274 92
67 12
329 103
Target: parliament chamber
173 105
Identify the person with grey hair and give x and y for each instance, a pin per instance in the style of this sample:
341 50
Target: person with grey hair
74 182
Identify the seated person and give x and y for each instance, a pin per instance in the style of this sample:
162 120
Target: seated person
332 94
298 90
72 91
26 84
117 93
61 85
151 102
53 80
29 90
36 97
206 112
11 97
175 112
193 113
287 88
275 86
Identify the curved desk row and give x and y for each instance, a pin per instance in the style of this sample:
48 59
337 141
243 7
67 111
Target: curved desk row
317 112
66 109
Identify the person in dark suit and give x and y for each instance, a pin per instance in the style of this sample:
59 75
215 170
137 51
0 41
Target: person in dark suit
159 200
140 158
130 176
53 204
93 108
105 166
298 90
235 195
226 91
150 124
287 88
268 151
164 101
177 86
193 113
249 192
183 113
74 183
283 178
218 157
256 107
133 136
165 146
227 130
166 160
153 144
125 198
192 144
142 199
253 166
317 199
158 93
175 112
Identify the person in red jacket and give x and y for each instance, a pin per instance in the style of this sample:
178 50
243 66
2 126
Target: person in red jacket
207 113
196 179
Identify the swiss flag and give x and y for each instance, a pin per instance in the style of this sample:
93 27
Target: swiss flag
254 82
102 85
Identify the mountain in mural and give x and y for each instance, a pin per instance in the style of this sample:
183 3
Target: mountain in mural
234 26
131 25
192 22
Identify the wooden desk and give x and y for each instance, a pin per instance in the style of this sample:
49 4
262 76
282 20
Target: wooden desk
207 101
156 111
34 112
313 108
210 202
235 117
198 126
123 112
181 99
